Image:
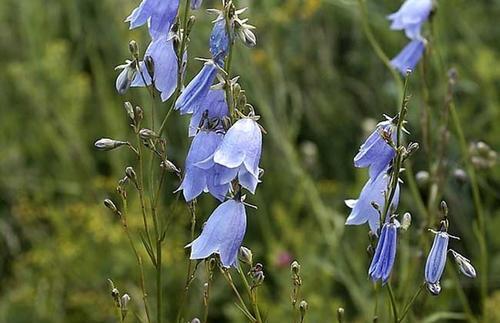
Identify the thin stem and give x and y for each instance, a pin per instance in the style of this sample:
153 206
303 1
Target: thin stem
393 302
375 45
138 258
192 210
252 295
228 63
479 228
243 306
410 303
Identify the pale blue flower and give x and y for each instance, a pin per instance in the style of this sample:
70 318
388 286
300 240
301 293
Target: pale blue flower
240 153
160 13
219 41
373 191
197 180
166 67
196 4
211 110
375 152
385 253
409 57
196 91
411 16
222 234
436 260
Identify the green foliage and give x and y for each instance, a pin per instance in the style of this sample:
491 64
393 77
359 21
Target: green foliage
317 83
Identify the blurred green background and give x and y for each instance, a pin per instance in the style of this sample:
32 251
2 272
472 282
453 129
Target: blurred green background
319 88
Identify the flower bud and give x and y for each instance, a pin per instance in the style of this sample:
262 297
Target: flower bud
422 178
195 320
110 205
444 208
190 24
295 267
133 48
464 264
303 306
150 65
129 109
124 301
147 134
130 172
460 175
246 255
106 144
340 314
406 222
169 166
139 114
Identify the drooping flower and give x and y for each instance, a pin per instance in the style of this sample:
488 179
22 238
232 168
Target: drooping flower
160 13
409 57
411 16
375 152
239 154
219 41
385 253
211 110
436 261
197 180
196 91
126 76
222 234
166 67
196 4
373 192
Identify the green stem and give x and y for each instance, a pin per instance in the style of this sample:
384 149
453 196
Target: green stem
479 229
375 45
393 302
410 303
252 295
243 306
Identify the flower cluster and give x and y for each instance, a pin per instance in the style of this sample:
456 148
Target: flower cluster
225 152
381 153
377 155
410 18
160 65
436 260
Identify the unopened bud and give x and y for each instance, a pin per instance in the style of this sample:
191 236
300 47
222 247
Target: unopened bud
125 299
130 172
460 175
422 178
110 205
444 208
406 222
147 134
169 166
340 314
295 267
139 114
464 264
133 48
412 147
434 289
106 144
115 293
246 255
195 320
150 65
303 306
190 24
129 109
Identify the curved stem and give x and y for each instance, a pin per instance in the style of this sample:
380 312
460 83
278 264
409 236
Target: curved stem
394 306
410 303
